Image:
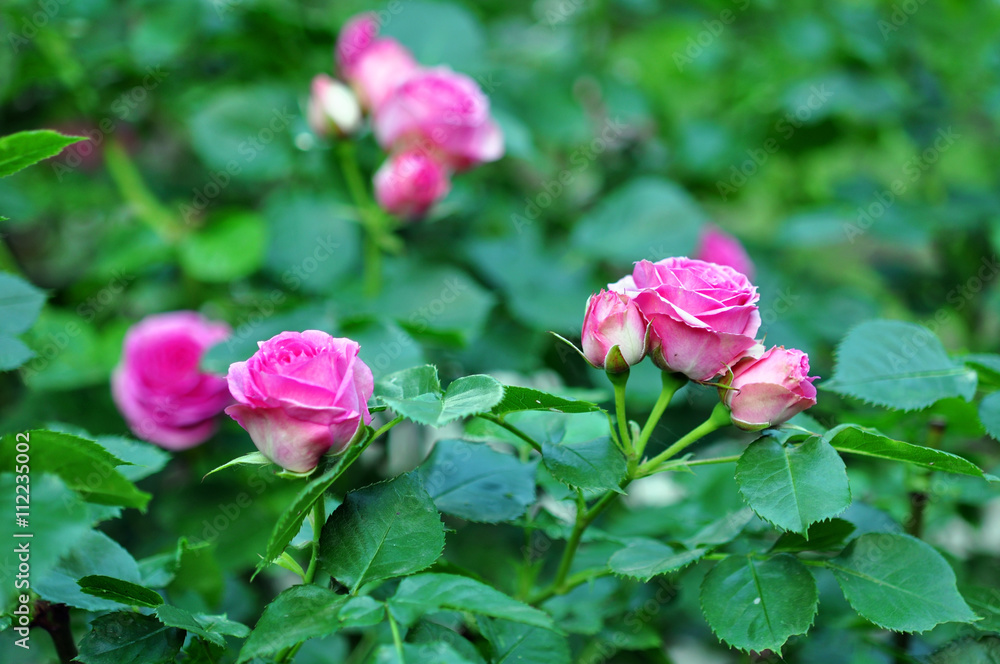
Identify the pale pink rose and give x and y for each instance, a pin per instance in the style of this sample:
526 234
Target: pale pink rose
380 70
158 387
300 396
440 110
703 316
770 390
715 246
355 37
333 109
612 319
409 183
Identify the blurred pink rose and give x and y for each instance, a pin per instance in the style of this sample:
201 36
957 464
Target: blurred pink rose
333 108
444 111
158 386
703 316
301 395
770 390
409 183
612 319
720 248
355 37
373 66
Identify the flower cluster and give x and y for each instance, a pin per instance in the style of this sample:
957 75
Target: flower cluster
431 121
699 319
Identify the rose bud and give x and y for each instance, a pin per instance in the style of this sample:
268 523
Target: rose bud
770 390
612 319
300 396
444 111
158 387
354 39
380 70
409 183
720 248
333 108
703 316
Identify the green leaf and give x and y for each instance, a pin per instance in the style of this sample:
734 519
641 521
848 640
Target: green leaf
985 650
230 247
416 394
145 459
427 632
721 531
13 353
756 604
93 554
20 303
793 486
297 614
429 653
517 399
899 582
475 482
898 365
211 628
421 594
291 519
116 590
129 637
647 558
381 531
517 643
83 465
822 536
855 439
985 602
989 414
596 465
249 459
25 148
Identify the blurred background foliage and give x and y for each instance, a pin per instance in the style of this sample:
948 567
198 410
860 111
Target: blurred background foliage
852 146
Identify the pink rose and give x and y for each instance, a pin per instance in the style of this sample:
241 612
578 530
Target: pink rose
612 319
703 316
409 183
158 386
301 395
333 108
354 39
720 248
443 111
373 66
770 390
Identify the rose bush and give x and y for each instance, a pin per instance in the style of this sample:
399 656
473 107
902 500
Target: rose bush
300 396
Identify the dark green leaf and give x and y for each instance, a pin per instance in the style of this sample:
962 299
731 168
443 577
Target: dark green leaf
116 590
381 531
855 439
517 643
428 593
596 465
20 303
822 536
756 604
210 628
985 650
899 582
92 554
428 653
647 558
898 365
516 399
122 637
25 148
989 414
721 531
427 632
793 486
299 613
475 482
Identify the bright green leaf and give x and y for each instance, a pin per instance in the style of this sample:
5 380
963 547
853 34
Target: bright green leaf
25 148
381 531
898 365
475 482
517 399
855 439
647 558
595 465
117 590
754 604
93 554
793 486
416 394
899 582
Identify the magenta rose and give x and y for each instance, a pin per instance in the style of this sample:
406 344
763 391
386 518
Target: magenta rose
440 110
373 66
300 396
703 316
715 246
355 37
409 183
158 387
770 390
612 319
